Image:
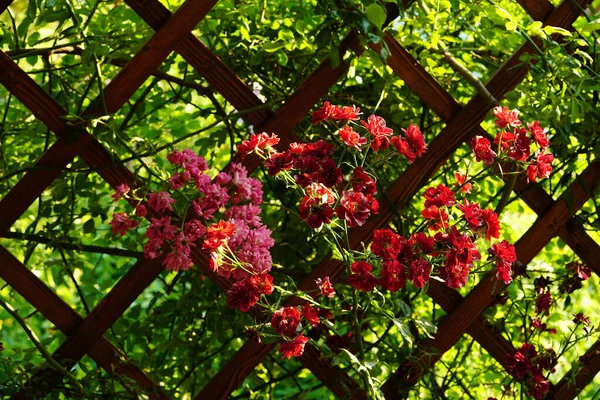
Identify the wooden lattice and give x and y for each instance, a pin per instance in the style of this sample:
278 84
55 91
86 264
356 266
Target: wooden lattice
464 315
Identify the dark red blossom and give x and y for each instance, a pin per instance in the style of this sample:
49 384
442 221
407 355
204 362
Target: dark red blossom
439 196
242 296
505 117
362 182
327 112
121 191
419 272
519 363
505 255
454 273
295 348
351 138
393 275
472 214
538 325
315 207
438 217
337 342
425 243
355 208
121 223
361 277
311 315
520 149
461 182
386 244
279 162
325 287
483 150
580 318
285 321
543 302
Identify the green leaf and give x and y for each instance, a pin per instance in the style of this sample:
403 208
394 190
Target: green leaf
549 30
271 47
591 26
376 14
89 226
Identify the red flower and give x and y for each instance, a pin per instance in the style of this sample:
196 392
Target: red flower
419 272
425 243
315 207
295 348
285 321
361 277
393 275
492 225
386 244
262 283
311 315
377 127
581 319
362 182
440 196
257 143
279 162
454 272
414 146
504 251
483 150
541 168
356 208
351 138
242 295
194 229
325 287
438 217
217 234
582 272
506 117
177 260
503 271
460 181
472 214
328 111
539 135
543 302
519 363
521 149
329 174
348 113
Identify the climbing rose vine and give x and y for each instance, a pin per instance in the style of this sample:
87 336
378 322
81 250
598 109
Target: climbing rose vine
337 190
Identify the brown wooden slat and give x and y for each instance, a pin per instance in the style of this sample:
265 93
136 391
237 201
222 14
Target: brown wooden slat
580 375
530 244
102 317
537 9
4 5
205 63
67 320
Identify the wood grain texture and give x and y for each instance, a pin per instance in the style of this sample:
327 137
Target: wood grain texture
537 9
67 321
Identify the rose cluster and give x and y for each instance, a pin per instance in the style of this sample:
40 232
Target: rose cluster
238 244
452 246
513 142
527 366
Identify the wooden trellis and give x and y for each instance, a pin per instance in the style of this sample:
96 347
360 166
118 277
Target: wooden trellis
464 315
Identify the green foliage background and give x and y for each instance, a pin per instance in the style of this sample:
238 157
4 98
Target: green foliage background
180 331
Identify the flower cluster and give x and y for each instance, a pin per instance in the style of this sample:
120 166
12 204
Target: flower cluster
238 244
453 247
527 366
513 142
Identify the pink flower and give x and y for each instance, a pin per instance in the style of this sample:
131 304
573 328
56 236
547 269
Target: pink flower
161 229
176 261
121 223
141 211
121 191
356 208
160 201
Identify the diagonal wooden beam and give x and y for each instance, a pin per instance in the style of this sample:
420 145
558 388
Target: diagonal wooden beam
579 376
40 296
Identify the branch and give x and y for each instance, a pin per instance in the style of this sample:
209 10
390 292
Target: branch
45 353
